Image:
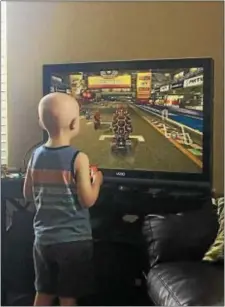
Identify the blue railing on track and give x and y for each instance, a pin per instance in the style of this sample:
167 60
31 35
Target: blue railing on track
193 120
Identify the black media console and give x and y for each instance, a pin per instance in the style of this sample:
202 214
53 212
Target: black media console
123 205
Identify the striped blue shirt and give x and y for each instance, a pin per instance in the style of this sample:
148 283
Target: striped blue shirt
59 216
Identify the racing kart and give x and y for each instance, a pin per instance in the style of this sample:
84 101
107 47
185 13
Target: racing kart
122 128
121 143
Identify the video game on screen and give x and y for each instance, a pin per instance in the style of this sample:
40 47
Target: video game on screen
139 120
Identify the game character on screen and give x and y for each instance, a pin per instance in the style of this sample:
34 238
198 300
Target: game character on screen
97 120
97 116
58 181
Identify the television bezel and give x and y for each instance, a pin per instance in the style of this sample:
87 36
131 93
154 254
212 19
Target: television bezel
149 177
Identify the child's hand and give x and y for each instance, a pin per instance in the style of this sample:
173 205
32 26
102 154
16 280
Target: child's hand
99 177
86 190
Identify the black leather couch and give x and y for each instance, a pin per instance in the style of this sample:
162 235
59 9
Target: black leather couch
176 244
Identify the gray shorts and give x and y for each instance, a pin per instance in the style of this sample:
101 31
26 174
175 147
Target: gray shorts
64 269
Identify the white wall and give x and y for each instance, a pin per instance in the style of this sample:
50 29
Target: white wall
55 32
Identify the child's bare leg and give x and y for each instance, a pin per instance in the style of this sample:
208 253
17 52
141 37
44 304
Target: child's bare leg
42 299
67 301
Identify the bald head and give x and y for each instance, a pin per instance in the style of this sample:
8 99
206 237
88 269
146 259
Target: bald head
58 112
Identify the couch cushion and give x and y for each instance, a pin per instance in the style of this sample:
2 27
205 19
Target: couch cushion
180 237
186 284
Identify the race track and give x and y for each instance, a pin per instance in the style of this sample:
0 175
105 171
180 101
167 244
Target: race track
151 150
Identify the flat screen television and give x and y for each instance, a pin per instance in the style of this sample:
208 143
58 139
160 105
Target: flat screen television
142 121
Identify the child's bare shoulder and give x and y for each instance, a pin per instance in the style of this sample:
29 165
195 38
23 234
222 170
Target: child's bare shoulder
82 160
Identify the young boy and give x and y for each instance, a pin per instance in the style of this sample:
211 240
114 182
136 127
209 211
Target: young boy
58 181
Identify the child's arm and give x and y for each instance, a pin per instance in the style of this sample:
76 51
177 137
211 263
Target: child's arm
27 187
87 192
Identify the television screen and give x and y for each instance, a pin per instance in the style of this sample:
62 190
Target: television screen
142 119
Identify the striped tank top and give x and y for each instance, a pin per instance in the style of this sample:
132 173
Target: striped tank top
59 216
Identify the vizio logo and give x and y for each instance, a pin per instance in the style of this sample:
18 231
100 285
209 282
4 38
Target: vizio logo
122 174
